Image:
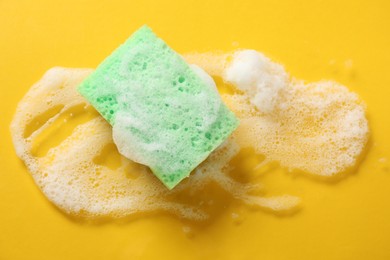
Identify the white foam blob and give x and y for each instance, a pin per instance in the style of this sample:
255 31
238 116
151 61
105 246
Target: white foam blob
259 78
319 128
70 176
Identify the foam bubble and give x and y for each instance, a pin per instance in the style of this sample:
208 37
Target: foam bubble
72 176
319 128
259 78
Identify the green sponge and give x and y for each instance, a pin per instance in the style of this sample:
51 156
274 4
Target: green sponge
164 114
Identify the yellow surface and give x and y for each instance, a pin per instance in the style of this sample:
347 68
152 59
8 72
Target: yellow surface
342 40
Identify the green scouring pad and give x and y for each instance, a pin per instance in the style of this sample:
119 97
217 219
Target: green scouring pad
164 115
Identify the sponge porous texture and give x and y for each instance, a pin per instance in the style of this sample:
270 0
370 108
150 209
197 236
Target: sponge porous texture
164 115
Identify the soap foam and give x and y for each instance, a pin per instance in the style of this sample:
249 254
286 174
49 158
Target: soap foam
70 176
259 78
319 128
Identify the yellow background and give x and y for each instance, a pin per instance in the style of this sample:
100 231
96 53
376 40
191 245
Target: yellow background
347 41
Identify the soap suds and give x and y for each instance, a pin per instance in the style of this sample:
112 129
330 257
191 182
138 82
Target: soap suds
70 177
259 78
319 128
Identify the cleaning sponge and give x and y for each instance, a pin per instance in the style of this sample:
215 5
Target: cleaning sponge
164 115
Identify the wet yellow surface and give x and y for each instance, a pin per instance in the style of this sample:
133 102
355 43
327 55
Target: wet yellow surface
347 42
